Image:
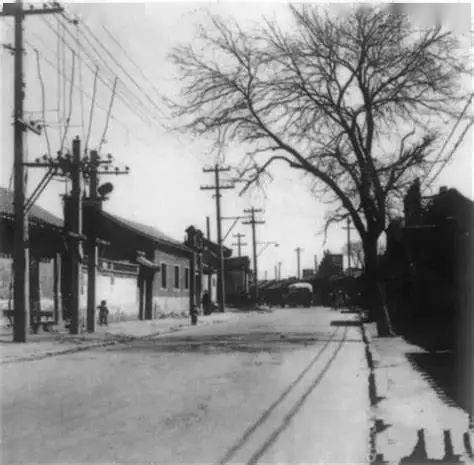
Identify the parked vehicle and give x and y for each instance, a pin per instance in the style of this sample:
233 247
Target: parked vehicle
299 294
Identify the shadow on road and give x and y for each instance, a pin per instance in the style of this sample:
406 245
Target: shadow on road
250 342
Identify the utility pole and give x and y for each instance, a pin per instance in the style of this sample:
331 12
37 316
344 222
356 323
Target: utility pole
252 221
209 276
91 168
216 169
275 269
279 270
239 243
91 244
298 251
20 247
348 228
315 264
73 224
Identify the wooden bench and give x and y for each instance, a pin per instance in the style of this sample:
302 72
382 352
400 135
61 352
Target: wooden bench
45 318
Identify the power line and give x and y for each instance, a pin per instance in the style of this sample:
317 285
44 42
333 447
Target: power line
132 61
104 61
43 102
446 160
458 120
87 94
91 112
81 87
140 88
137 110
68 119
102 139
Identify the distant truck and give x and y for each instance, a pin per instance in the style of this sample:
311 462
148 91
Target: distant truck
300 293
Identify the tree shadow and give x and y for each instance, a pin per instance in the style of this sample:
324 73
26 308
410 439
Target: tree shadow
419 455
438 368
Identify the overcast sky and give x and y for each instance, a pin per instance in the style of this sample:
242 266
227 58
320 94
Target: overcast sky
162 188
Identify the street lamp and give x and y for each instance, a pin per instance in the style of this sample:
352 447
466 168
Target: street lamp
266 245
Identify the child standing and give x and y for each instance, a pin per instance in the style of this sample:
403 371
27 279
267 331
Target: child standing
103 313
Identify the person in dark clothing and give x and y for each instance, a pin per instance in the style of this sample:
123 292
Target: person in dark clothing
103 313
206 303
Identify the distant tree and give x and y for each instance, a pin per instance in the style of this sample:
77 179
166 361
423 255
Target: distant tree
351 101
327 267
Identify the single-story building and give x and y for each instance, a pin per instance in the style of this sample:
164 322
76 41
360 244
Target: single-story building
141 272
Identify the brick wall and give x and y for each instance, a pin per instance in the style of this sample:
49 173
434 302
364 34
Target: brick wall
171 295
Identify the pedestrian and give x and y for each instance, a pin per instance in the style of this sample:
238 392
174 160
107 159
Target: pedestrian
206 303
103 313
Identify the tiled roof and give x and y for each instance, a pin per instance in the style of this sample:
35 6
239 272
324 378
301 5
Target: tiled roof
146 231
37 214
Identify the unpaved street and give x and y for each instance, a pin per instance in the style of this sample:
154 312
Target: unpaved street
285 386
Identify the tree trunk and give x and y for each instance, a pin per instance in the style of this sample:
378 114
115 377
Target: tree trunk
374 298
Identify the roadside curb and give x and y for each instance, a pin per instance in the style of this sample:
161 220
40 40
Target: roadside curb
374 457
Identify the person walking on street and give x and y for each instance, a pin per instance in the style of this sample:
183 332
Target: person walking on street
103 313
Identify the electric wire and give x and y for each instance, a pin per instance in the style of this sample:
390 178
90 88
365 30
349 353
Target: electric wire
104 61
91 112
109 110
68 119
63 60
458 120
140 88
81 96
59 83
99 58
138 110
446 160
132 61
50 63
43 102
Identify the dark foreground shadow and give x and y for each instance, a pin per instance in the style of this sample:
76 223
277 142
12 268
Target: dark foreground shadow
438 368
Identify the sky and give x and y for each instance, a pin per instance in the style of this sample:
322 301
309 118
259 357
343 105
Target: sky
163 187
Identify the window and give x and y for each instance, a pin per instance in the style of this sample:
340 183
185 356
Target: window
163 276
176 277
186 278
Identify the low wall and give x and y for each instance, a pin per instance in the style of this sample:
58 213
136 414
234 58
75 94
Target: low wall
164 305
119 291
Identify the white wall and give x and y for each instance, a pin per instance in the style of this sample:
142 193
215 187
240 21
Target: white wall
120 292
164 305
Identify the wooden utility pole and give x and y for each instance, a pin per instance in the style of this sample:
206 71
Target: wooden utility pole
239 243
74 226
209 276
298 251
216 169
252 221
279 270
275 269
91 170
20 246
91 244
348 228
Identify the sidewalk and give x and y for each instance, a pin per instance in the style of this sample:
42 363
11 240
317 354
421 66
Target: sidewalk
414 419
61 342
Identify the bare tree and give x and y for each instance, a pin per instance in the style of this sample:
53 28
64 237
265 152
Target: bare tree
347 100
